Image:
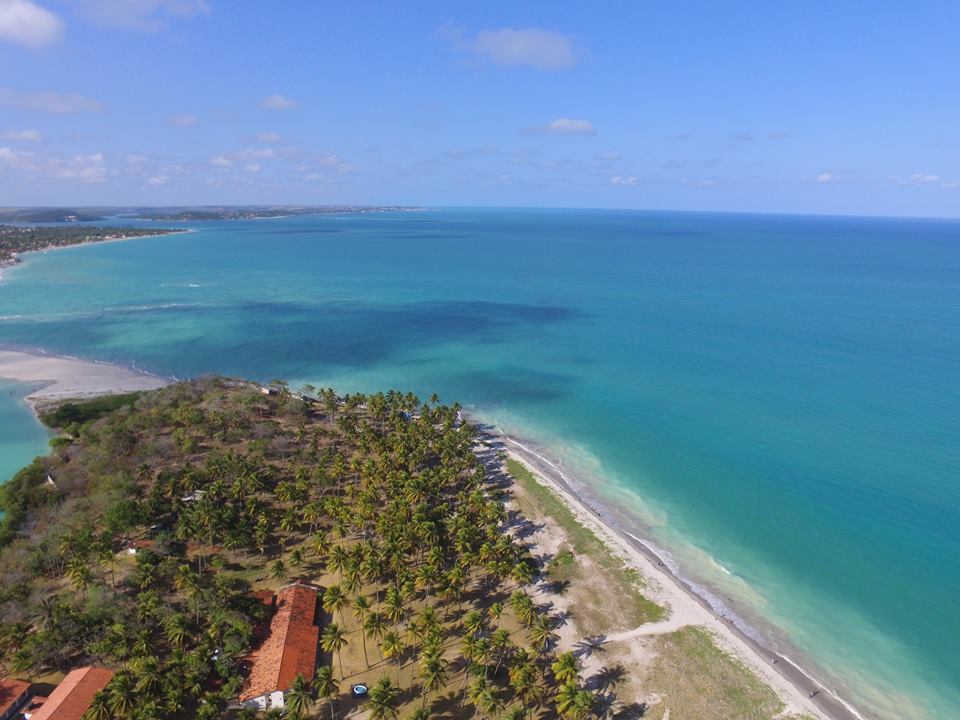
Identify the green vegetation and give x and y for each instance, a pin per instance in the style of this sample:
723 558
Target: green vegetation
18 239
624 602
379 500
50 215
234 212
83 411
696 679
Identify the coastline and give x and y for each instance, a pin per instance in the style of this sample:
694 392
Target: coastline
788 679
63 378
16 258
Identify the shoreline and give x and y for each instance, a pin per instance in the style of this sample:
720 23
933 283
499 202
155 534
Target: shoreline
16 260
788 679
62 377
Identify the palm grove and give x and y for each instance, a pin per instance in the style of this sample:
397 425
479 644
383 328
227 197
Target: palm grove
379 499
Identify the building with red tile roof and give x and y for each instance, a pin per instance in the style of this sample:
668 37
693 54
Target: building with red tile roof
74 694
13 696
290 649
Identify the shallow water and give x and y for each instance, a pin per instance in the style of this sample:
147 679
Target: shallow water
22 437
775 399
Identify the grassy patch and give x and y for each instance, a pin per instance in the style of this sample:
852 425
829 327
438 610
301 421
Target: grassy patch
562 566
696 679
625 582
83 411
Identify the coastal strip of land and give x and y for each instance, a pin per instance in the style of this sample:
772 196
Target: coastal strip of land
62 378
630 637
801 693
16 240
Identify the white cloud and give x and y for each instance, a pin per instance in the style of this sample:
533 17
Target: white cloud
563 126
255 153
621 180
136 159
142 14
924 179
278 102
269 137
80 168
25 23
826 177
243 156
49 102
85 168
183 120
916 179
158 180
526 47
23 135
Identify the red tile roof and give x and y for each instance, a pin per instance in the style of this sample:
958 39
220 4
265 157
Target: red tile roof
10 692
291 647
74 694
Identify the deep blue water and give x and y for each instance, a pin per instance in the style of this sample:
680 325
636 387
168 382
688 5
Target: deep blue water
779 395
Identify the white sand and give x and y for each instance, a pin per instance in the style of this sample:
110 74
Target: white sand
63 378
789 681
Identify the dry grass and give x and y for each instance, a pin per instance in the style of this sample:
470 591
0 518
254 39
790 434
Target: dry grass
696 679
583 561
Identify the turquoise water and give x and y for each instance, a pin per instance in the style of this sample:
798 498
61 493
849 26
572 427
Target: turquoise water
775 399
22 437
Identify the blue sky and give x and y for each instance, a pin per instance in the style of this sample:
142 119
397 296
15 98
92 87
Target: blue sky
815 107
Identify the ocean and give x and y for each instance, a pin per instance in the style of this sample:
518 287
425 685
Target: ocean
774 400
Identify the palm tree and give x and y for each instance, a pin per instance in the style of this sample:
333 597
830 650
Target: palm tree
433 675
361 606
574 703
375 626
333 640
383 700
149 674
100 707
278 571
337 559
334 600
326 686
566 668
297 699
177 629
483 698
80 574
123 695
541 634
393 649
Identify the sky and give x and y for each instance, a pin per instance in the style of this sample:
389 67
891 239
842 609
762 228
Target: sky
813 107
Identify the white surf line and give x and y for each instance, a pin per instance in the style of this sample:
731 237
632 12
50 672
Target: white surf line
803 671
673 575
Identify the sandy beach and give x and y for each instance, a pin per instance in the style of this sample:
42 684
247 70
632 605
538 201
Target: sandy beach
61 377
798 690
